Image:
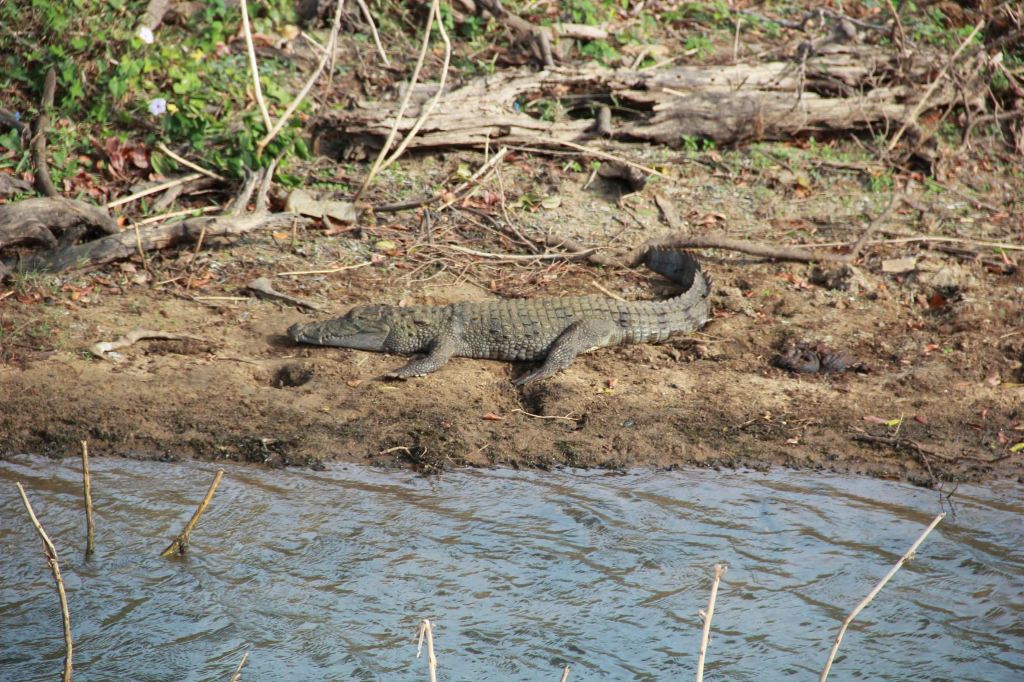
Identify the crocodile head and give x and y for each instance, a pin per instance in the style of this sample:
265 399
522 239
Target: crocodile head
363 328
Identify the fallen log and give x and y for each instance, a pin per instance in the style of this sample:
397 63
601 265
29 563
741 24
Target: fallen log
131 242
34 220
845 86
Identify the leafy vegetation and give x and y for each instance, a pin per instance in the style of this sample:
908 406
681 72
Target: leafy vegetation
190 86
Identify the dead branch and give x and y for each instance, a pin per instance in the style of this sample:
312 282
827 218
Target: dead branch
90 529
720 570
262 287
34 220
390 137
433 101
124 245
101 348
50 552
254 67
424 630
841 87
238 671
874 592
373 31
791 253
456 194
43 182
180 544
911 119
188 164
153 189
537 38
331 45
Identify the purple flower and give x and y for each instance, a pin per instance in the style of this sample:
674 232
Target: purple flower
158 106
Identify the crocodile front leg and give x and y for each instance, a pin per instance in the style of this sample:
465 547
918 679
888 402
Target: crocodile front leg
441 352
579 337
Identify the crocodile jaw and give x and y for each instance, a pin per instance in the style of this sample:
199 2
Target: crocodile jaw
339 333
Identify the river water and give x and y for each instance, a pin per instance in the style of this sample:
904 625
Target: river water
325 575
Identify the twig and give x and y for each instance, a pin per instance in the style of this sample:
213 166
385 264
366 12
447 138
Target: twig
874 592
565 674
373 31
180 544
604 291
436 8
375 168
254 67
930 238
188 164
516 256
50 552
43 181
101 349
916 111
268 179
468 184
87 494
331 271
174 214
425 629
720 570
793 253
604 155
856 246
567 417
262 287
273 132
238 671
154 189
989 118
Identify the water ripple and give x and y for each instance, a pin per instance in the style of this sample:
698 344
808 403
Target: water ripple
324 575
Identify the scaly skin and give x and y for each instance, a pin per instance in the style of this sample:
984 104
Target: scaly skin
552 330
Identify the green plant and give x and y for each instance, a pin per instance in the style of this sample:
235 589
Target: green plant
187 87
698 42
881 182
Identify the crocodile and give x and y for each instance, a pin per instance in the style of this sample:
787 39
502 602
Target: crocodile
552 331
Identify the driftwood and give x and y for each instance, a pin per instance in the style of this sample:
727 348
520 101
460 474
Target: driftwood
844 86
34 220
130 242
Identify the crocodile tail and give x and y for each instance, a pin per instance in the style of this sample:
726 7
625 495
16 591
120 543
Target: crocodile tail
680 267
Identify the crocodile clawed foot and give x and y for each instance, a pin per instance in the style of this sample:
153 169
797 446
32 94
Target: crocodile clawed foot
530 377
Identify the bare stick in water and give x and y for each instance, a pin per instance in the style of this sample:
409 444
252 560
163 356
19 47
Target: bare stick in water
50 552
565 674
720 570
180 544
425 629
87 492
238 671
871 595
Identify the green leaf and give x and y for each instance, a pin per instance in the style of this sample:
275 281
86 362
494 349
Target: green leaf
1018 447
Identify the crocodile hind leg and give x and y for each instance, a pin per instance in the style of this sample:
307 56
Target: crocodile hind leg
579 337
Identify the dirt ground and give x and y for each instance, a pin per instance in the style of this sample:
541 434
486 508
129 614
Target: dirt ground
940 343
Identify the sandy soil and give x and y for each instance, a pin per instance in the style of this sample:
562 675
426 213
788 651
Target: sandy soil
942 345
